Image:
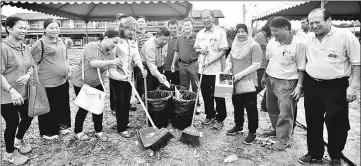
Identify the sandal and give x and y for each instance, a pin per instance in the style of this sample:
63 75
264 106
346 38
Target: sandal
125 134
101 136
81 136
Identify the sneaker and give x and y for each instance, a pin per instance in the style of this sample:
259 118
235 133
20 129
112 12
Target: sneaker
217 125
101 136
15 158
64 131
279 146
251 137
308 159
269 133
50 137
235 130
335 162
207 121
81 136
22 146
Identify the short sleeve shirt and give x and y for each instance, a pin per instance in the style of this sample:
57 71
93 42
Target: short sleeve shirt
285 59
185 47
15 62
92 51
213 40
332 57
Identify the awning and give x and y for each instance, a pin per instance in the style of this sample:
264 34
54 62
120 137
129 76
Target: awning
339 10
97 10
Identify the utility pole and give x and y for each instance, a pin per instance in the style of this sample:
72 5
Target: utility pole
245 11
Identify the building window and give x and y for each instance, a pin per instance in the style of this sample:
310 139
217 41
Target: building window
79 24
100 24
161 24
65 23
151 24
34 24
111 24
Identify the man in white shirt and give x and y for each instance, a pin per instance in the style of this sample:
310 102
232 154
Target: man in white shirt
211 44
305 29
283 79
333 55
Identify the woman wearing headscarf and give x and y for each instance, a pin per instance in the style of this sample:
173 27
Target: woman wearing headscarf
243 61
50 54
97 54
127 51
16 69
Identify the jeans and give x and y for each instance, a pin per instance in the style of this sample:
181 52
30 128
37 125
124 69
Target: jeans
207 89
281 106
123 93
172 78
10 113
248 100
188 73
58 97
81 115
325 102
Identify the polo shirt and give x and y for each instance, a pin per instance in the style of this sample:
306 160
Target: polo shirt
53 67
214 40
262 40
332 57
127 51
285 59
185 47
170 54
153 55
302 35
15 62
92 51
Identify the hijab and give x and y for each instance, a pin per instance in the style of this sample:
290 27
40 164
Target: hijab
241 48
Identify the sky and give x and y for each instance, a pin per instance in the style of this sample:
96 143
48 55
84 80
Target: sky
232 10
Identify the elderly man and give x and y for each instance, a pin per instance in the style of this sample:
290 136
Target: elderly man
305 29
211 45
283 79
153 55
333 55
172 76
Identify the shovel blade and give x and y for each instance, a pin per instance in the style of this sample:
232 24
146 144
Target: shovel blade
147 136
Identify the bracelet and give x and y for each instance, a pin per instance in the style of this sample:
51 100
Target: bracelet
299 85
10 88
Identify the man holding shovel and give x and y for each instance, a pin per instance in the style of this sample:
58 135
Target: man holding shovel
211 44
153 55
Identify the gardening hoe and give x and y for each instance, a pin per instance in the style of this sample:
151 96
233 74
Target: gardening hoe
190 135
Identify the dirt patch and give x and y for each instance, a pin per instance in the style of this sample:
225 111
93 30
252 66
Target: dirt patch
215 145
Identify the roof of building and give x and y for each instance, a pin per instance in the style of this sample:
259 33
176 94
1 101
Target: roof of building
217 13
35 16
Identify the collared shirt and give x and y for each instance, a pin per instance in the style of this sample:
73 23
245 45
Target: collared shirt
185 47
213 40
170 53
92 51
332 57
262 40
15 62
53 67
127 51
302 35
142 38
153 55
285 59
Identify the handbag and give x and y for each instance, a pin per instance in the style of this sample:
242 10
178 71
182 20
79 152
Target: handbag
38 99
89 98
245 85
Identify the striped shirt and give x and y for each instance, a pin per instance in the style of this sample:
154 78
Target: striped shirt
142 38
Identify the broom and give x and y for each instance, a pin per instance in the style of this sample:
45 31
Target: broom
190 135
154 137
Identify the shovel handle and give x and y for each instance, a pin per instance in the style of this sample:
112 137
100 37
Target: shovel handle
199 87
146 97
144 108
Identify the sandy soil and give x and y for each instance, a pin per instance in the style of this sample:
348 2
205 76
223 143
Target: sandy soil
215 145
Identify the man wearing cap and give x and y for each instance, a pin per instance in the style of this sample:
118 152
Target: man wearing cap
331 79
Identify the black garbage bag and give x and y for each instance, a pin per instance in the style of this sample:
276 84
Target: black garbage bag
158 107
171 88
183 109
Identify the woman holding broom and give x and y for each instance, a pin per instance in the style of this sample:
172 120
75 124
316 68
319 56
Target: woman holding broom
127 51
244 60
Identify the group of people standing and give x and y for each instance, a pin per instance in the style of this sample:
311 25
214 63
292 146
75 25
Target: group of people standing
318 65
